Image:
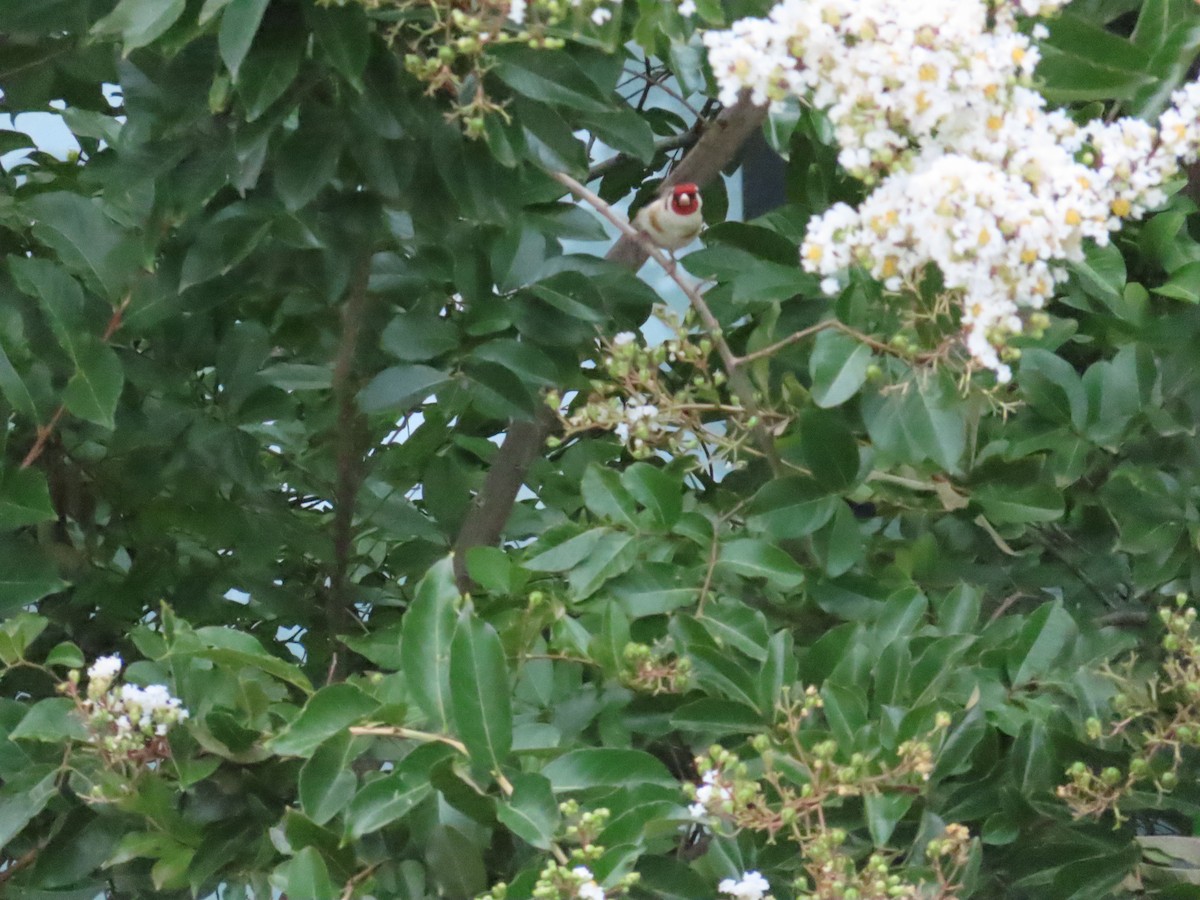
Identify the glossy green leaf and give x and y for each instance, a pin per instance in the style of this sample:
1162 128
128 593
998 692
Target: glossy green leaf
327 784
479 692
401 387
329 711
139 22
425 642
754 558
605 767
838 367
53 720
305 875
532 812
239 24
94 389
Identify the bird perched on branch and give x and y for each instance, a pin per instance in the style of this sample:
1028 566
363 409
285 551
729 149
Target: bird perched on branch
672 221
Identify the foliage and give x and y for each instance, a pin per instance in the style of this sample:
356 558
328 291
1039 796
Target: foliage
260 340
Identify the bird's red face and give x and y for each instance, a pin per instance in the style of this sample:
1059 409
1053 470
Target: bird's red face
684 198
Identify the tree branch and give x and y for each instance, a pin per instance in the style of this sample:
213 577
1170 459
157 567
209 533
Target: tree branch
683 139
717 147
350 441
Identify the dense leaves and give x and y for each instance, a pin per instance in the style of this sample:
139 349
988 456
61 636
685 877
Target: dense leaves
262 338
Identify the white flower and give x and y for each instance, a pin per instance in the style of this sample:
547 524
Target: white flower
105 667
600 15
587 888
625 337
751 887
516 11
687 8
933 103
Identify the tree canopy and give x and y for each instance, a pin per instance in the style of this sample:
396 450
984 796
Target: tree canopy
369 528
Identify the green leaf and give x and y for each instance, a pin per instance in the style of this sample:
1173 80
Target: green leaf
418 336
54 720
791 507
94 389
1101 273
605 496
926 422
270 68
829 449
401 388
657 490
24 499
714 716
569 553
1183 284
59 297
385 800
239 24
85 239
838 367
884 812
613 555
20 803
1014 504
1052 387
479 692
605 767
1082 61
13 386
1041 641
298 377
66 654
425 643
532 812
549 76
235 648
308 160
327 783
305 875
26 575
344 35
329 711
754 558
139 22
624 130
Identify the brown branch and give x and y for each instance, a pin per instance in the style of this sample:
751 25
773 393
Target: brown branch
44 432
485 520
739 381
350 442
683 140
717 147
21 862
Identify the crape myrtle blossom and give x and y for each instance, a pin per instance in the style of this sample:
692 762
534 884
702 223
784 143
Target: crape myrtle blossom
123 719
932 104
711 795
751 886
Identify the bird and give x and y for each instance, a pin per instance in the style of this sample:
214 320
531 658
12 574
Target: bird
672 221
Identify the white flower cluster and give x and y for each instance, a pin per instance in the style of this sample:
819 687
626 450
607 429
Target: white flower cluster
710 796
124 719
932 103
751 886
586 887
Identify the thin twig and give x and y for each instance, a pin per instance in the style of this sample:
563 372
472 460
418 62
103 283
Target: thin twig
410 734
684 140
743 389
837 325
21 862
